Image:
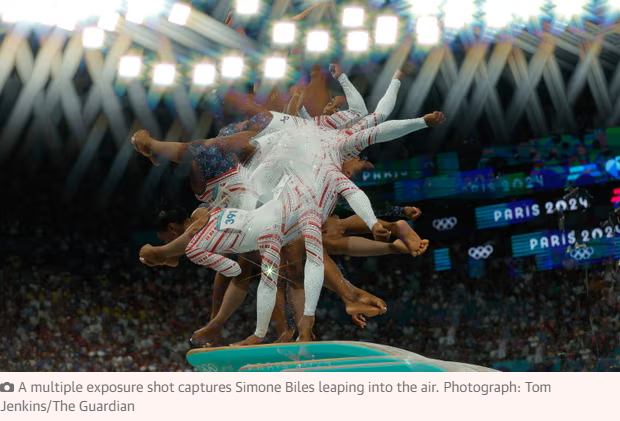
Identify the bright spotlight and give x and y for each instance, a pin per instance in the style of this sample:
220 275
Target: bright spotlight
527 9
130 66
386 30
15 12
66 22
204 74
179 13
138 10
164 74
109 21
246 7
284 33
569 8
614 5
497 14
93 37
352 17
458 13
357 41
69 12
427 30
317 41
425 8
232 67
275 68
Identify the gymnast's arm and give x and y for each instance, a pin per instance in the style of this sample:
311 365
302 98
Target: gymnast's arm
357 107
354 144
359 202
354 98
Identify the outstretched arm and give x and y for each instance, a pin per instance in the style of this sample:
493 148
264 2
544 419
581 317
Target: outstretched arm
354 98
357 106
387 103
353 145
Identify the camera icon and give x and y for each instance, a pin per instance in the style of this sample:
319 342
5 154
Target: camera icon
7 387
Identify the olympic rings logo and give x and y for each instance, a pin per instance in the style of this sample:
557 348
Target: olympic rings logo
481 252
445 224
581 253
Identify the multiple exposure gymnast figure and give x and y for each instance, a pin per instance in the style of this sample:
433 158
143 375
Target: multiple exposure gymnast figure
346 144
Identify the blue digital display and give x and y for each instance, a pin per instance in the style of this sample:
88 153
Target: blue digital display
591 252
506 214
538 243
525 210
476 183
442 259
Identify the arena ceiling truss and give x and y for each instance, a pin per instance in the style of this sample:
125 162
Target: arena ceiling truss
40 89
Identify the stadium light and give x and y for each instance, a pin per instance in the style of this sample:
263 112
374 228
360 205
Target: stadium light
130 66
232 67
357 41
427 30
179 13
275 68
164 74
527 9
613 5
204 74
458 13
246 7
138 10
497 14
93 37
352 17
67 22
317 41
14 13
569 8
425 8
109 21
386 30
284 33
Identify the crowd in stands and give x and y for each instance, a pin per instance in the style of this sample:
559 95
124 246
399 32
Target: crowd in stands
77 304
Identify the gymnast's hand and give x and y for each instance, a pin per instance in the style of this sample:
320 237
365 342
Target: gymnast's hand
434 119
411 213
151 256
380 234
335 70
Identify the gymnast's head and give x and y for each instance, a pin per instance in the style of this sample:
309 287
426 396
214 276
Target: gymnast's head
355 166
171 224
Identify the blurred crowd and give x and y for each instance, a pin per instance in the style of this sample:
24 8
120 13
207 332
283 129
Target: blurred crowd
73 303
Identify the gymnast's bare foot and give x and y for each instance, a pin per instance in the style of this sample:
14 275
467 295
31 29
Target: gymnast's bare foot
359 320
251 340
365 309
411 239
365 297
142 143
423 246
305 329
204 337
286 336
399 247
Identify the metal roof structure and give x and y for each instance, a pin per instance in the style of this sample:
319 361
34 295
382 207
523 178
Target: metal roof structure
56 94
